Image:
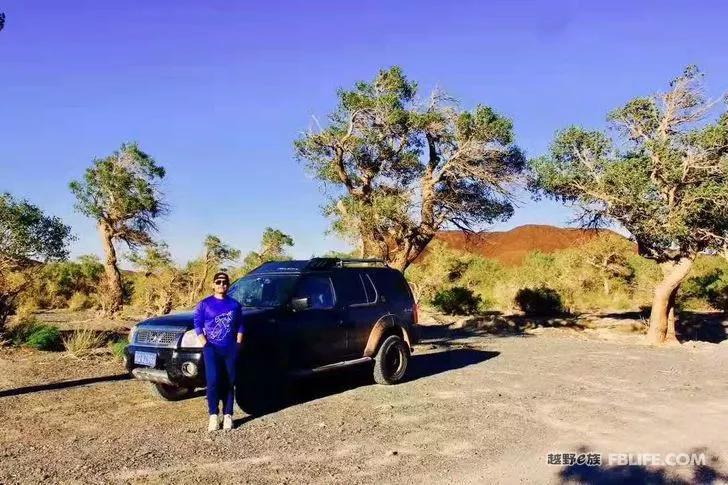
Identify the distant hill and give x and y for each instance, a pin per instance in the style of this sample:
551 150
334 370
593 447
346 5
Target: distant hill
511 247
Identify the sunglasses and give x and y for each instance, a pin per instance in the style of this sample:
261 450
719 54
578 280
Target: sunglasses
222 282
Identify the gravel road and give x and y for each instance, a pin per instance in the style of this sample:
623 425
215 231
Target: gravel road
476 409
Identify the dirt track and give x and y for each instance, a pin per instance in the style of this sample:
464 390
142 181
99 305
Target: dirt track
476 409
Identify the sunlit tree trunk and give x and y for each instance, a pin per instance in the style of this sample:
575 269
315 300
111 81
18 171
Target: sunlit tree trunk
114 296
662 316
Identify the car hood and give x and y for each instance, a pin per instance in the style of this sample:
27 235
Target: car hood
185 320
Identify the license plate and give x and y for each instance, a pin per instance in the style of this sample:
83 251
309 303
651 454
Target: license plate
145 358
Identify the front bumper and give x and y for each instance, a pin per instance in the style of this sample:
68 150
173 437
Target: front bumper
168 369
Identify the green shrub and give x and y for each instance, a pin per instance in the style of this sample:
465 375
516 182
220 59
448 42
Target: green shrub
117 348
20 332
540 301
457 301
46 337
36 335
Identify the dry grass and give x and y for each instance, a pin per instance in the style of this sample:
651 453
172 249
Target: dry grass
83 341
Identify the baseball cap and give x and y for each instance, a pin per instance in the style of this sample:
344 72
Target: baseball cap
221 275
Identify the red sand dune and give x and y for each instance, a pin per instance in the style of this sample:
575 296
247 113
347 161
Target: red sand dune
511 247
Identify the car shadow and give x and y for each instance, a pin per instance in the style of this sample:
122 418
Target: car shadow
319 386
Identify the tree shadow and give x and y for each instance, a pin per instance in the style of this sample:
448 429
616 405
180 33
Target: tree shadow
708 326
703 326
496 324
63 385
709 472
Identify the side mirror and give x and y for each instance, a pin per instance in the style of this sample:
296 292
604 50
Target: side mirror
298 304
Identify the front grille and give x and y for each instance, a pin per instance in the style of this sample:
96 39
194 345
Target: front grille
157 338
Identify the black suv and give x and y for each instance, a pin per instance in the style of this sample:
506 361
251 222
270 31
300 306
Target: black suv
301 317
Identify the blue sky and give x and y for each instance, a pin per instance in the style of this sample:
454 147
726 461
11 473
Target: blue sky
217 91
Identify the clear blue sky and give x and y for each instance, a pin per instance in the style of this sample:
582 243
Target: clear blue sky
217 91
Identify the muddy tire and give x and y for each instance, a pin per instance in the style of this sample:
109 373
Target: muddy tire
171 393
390 363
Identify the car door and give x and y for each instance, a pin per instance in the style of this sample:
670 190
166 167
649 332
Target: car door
317 332
357 299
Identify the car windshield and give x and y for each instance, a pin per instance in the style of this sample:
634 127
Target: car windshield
265 291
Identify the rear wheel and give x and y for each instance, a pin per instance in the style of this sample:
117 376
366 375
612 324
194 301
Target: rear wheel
390 363
170 392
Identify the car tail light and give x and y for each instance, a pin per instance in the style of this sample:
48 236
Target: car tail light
415 315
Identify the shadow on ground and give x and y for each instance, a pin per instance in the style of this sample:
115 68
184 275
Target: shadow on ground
497 325
330 383
690 325
707 473
63 385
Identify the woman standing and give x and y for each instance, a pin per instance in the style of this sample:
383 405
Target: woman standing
219 326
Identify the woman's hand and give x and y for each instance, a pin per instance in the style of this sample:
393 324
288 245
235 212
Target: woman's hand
202 339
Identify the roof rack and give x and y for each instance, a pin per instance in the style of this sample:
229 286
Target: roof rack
324 263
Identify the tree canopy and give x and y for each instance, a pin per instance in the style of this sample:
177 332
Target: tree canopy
27 237
215 254
121 193
398 169
663 177
273 245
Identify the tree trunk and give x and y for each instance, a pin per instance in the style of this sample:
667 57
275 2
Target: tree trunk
670 336
113 276
664 300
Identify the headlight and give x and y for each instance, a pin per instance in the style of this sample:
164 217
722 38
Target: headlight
132 333
190 340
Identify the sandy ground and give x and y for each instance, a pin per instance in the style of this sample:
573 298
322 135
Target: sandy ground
476 408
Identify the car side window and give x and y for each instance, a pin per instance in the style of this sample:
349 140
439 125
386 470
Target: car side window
318 291
371 291
349 288
391 286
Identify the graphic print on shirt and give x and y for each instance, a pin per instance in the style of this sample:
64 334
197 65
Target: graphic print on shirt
221 326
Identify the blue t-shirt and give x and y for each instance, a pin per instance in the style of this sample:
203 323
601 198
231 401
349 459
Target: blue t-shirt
220 319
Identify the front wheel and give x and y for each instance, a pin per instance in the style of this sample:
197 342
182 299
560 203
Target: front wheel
391 361
171 393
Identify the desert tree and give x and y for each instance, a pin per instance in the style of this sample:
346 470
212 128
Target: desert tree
121 193
160 283
215 254
397 170
608 254
273 246
663 176
28 238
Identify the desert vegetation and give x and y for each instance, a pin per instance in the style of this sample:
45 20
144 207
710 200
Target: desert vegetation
398 171
604 274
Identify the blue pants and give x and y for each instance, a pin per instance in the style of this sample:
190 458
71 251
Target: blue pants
220 377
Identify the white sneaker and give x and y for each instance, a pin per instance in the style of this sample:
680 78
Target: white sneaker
214 423
227 422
